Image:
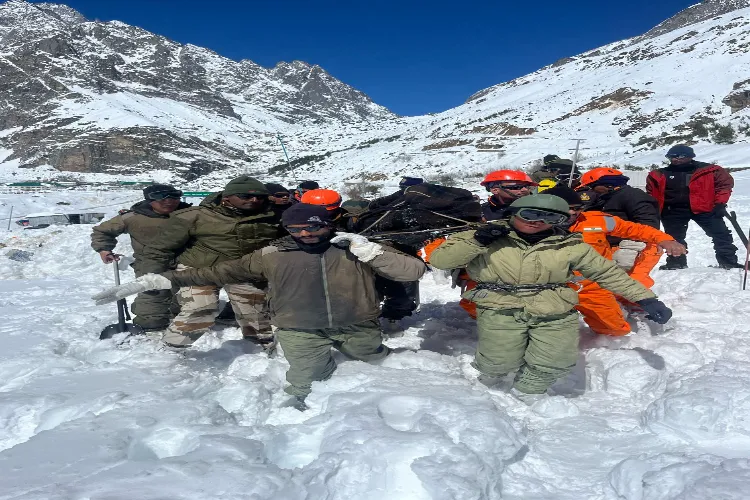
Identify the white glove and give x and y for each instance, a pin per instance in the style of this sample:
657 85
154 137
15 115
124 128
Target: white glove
143 284
364 249
627 253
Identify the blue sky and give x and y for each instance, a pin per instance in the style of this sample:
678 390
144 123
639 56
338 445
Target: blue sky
413 57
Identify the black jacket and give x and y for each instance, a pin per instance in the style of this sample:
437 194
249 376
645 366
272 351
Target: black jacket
630 204
493 209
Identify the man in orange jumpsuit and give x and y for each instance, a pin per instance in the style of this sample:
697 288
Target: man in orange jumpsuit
609 192
600 307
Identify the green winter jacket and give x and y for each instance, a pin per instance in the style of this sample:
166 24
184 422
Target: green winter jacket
145 228
311 290
513 261
208 234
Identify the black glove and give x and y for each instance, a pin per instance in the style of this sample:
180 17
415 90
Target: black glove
720 209
656 310
487 234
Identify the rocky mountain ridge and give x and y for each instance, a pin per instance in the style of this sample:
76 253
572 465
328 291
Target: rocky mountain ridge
100 99
66 77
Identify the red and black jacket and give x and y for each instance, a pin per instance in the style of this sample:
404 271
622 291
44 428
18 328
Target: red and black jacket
709 185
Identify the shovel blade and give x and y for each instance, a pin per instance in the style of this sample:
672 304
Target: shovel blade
112 330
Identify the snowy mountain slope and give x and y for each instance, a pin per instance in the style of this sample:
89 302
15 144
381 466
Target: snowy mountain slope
641 417
108 99
90 96
630 100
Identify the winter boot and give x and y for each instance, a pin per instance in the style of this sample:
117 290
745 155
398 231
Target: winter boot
489 381
263 339
296 402
391 327
674 263
527 399
723 264
226 316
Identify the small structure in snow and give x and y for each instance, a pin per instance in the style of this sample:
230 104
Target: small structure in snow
40 220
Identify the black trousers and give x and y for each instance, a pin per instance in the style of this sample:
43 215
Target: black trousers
676 219
400 297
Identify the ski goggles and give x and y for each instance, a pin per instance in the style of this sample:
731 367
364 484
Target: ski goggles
250 196
509 187
310 229
566 177
538 215
167 195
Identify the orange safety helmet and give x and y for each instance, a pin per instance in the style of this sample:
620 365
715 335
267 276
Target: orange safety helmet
595 174
508 175
325 197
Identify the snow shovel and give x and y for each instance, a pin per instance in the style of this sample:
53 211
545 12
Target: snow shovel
122 309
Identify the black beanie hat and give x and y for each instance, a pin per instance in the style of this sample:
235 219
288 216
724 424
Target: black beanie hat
567 194
550 159
410 181
160 189
308 185
303 213
274 188
681 150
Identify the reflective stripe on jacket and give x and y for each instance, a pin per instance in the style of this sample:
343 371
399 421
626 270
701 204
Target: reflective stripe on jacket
596 226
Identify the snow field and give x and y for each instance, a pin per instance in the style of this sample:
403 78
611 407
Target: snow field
641 417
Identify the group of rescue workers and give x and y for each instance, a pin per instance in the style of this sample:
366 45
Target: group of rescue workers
552 244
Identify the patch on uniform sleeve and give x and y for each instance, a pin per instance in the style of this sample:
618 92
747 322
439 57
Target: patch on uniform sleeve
584 196
610 222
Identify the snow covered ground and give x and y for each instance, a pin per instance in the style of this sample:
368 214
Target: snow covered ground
641 418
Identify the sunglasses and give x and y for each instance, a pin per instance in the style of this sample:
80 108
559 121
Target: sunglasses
281 195
173 195
676 156
509 187
249 196
310 229
537 215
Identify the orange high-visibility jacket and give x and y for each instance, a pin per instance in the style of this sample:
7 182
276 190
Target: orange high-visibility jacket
596 226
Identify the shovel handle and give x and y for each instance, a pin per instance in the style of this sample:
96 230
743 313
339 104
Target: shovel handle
732 216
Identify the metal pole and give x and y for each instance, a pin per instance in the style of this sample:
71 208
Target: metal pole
10 217
575 162
288 163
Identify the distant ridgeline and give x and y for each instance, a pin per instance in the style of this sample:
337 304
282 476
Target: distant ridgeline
31 186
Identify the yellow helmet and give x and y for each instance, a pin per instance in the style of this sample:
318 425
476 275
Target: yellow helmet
546 184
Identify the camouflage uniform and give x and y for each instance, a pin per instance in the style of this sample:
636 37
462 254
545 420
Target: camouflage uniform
208 235
154 309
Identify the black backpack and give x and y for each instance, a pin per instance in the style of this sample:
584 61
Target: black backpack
419 213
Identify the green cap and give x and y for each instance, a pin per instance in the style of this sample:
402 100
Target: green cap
245 184
542 202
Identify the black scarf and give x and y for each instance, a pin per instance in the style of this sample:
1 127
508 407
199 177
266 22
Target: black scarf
535 238
314 248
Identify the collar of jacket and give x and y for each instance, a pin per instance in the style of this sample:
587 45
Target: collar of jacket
144 208
496 204
213 202
288 244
